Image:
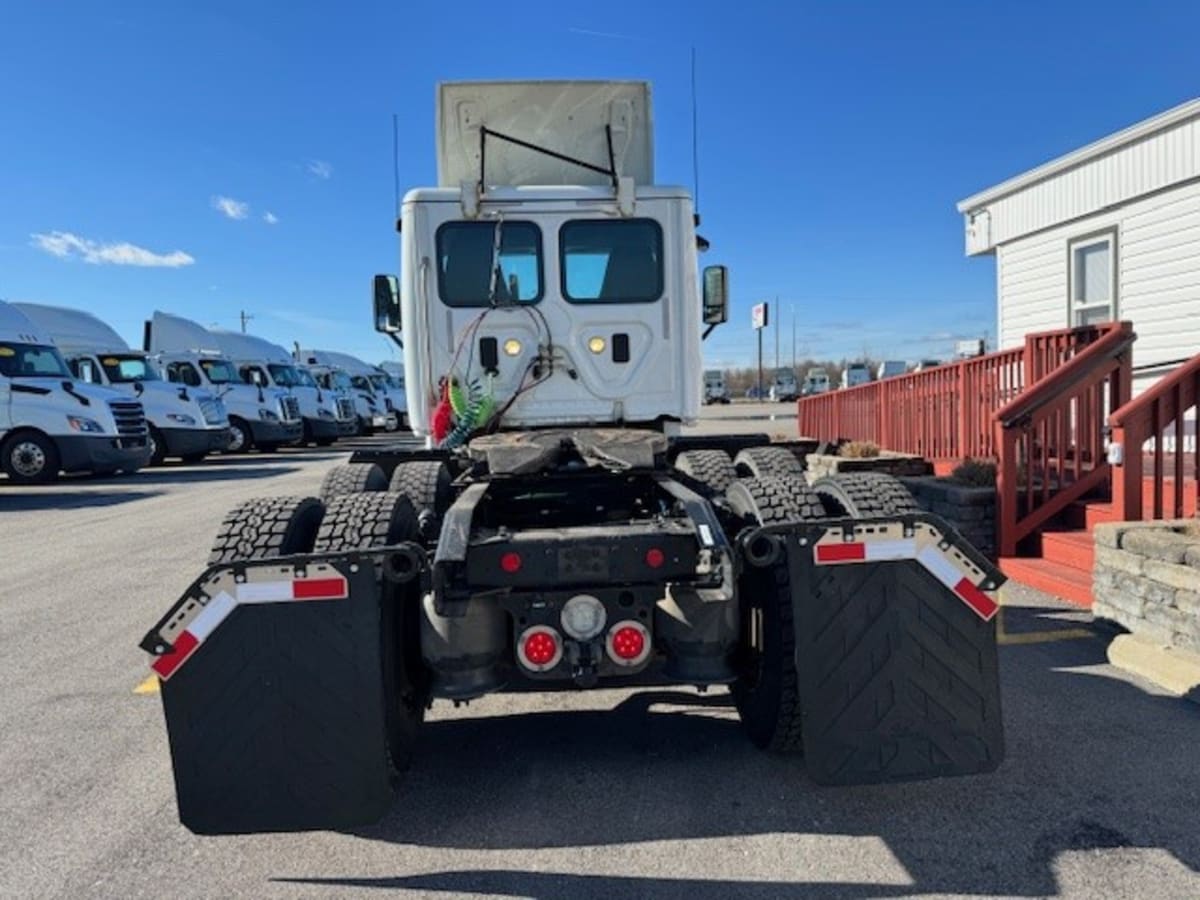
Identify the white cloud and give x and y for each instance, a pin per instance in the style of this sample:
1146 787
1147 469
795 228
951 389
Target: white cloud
270 218
320 168
230 208
65 245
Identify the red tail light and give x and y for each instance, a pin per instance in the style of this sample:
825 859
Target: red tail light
628 643
511 562
655 558
539 648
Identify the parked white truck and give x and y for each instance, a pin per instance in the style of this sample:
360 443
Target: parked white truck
50 422
784 388
260 417
558 532
715 389
185 423
373 406
816 381
327 415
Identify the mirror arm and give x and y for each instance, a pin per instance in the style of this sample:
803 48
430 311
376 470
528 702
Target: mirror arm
708 331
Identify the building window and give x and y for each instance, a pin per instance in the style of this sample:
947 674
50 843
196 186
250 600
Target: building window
1093 279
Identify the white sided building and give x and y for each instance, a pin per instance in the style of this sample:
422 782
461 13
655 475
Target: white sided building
1110 231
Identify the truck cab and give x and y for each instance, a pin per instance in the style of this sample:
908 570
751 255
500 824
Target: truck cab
182 423
715 389
855 374
816 381
326 415
353 377
50 422
260 417
784 388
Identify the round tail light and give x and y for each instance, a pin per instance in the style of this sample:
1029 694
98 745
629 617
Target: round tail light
539 648
628 643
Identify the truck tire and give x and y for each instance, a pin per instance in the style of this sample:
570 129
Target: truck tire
361 521
192 458
713 468
426 484
266 528
864 495
352 478
30 458
241 438
158 446
765 462
767 693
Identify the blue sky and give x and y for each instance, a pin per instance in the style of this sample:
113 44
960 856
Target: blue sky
210 158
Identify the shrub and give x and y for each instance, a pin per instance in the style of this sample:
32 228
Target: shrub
859 450
975 473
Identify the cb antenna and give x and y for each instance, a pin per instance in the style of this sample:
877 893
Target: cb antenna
396 162
695 143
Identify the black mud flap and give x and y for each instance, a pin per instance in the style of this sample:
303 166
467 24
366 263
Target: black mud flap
895 650
274 697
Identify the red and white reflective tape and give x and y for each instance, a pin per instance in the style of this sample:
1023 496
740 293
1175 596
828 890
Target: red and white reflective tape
218 608
866 551
334 588
930 557
213 613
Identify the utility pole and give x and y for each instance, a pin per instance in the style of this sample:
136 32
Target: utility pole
777 323
793 338
246 317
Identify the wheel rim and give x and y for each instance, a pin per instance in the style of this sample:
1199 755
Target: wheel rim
28 459
237 438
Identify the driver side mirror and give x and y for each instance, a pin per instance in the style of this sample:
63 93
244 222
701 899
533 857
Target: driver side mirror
387 303
716 295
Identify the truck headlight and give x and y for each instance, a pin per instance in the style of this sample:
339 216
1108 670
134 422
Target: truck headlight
181 418
267 416
89 426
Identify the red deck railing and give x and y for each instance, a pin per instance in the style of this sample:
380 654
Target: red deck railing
1158 420
1051 438
943 414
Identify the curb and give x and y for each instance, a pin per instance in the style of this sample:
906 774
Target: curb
1175 671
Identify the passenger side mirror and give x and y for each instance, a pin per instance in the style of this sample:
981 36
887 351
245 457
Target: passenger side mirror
716 295
387 303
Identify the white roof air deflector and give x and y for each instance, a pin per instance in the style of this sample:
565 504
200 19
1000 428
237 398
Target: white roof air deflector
570 118
73 330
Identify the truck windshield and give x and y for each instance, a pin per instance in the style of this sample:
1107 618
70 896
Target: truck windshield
285 375
32 361
304 377
122 369
220 371
380 382
340 380
465 251
362 383
606 261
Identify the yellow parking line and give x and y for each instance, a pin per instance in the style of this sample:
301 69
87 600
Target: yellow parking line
148 686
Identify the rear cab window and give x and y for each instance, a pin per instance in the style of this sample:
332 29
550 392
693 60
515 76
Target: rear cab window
465 253
611 261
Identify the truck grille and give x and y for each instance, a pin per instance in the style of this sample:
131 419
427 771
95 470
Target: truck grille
291 409
213 412
345 408
131 422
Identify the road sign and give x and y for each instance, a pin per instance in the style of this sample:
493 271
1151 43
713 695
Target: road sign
758 315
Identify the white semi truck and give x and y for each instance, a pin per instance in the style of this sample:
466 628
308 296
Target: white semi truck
374 406
784 388
715 389
327 415
50 422
260 417
557 532
185 423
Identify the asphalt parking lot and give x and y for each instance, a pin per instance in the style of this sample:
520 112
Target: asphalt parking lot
651 794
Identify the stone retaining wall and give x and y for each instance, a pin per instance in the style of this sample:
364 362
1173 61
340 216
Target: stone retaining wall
1147 579
972 510
901 465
